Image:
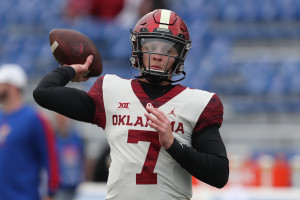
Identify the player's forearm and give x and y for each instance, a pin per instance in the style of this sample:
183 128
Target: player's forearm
51 94
209 163
210 169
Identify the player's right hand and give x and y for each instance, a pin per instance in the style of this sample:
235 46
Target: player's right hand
160 122
82 70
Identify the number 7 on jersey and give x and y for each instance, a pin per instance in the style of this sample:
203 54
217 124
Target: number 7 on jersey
147 175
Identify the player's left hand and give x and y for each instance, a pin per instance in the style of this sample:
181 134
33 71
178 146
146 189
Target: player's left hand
160 122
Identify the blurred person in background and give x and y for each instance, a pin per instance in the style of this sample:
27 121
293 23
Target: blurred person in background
102 9
27 143
147 6
124 12
160 134
133 10
106 9
71 157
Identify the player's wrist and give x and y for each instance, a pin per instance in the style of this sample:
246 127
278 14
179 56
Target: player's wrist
176 150
70 71
169 144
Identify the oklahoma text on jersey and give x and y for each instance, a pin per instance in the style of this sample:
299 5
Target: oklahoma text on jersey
127 120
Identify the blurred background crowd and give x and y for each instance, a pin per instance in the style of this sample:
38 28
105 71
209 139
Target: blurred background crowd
246 51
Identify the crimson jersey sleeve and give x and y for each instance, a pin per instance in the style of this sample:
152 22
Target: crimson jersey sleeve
212 114
96 93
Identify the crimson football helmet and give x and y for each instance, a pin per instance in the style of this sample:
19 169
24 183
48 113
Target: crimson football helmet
160 25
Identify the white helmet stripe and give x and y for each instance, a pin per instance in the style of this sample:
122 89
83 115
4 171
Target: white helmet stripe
165 18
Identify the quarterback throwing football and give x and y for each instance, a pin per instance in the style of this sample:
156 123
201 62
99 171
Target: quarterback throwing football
160 134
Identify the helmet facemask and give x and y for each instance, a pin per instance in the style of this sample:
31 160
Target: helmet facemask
140 49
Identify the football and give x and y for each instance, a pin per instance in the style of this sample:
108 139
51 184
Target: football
72 47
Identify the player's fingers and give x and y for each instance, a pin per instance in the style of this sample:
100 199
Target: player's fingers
153 125
158 113
152 110
156 123
85 78
156 126
161 129
88 61
151 118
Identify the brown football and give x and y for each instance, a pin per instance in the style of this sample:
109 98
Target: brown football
72 47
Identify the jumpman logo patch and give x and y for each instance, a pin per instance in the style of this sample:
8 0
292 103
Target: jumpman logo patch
172 113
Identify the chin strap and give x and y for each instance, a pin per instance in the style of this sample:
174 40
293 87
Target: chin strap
184 74
157 79
152 78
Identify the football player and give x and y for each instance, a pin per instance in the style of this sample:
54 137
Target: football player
160 134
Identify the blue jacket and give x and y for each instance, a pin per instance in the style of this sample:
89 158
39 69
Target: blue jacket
27 145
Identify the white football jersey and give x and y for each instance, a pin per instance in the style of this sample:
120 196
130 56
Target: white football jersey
141 168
